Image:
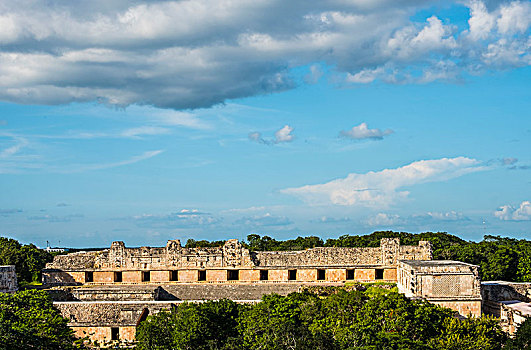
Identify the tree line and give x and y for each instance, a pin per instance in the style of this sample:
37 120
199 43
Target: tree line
28 259
499 258
371 319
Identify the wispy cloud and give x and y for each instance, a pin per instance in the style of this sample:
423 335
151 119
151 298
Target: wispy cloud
331 220
7 212
381 188
55 218
511 213
361 132
389 219
185 218
264 220
89 167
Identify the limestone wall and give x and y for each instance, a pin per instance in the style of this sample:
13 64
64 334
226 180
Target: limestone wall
448 283
8 279
501 291
232 254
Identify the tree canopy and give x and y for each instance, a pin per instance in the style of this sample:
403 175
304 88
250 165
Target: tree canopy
344 320
28 259
28 320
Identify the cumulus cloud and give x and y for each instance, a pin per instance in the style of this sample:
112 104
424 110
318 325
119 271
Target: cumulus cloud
197 53
362 131
282 135
266 219
510 213
185 218
383 219
381 188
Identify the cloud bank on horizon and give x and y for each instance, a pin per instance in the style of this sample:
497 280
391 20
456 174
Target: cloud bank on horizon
198 53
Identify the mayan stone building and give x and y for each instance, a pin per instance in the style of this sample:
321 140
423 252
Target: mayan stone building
230 263
106 293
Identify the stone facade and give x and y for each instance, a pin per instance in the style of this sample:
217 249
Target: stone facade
509 301
8 279
230 263
451 284
114 289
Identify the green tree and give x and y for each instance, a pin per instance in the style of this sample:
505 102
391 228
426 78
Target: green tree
522 338
470 334
28 259
28 320
209 325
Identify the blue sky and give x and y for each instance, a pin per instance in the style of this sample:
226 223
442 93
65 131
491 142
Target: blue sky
201 119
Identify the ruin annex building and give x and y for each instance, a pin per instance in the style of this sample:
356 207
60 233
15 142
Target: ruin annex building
105 294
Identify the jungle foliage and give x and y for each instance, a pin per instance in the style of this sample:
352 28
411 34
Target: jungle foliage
28 259
28 320
345 320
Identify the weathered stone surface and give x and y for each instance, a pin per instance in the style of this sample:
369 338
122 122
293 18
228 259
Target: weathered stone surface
8 279
448 283
232 254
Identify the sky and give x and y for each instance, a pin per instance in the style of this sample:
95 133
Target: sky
144 121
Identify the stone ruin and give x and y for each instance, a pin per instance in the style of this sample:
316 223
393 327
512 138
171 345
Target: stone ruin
106 293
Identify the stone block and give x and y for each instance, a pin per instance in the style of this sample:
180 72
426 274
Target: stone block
132 276
307 275
334 275
250 275
160 276
103 276
390 275
216 275
278 275
188 276
363 275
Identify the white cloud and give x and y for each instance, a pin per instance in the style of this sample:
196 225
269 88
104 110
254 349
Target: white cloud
266 219
282 135
510 213
197 53
361 132
185 218
383 219
382 188
144 130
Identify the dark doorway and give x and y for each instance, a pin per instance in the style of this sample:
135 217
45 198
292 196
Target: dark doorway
201 275
115 333
146 276
118 276
174 275
264 275
321 274
292 275
350 274
89 276
379 274
233 275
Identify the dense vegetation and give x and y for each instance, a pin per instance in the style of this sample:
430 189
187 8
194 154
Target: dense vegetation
374 319
499 258
28 259
28 320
